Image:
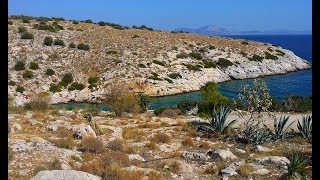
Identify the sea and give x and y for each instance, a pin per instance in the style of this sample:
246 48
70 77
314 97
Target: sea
298 83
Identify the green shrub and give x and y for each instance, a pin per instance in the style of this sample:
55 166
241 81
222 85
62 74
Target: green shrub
59 42
27 74
169 80
270 56
144 102
10 22
208 64
175 75
20 89
270 49
154 74
280 53
39 102
72 45
27 35
46 27
75 22
243 54
159 62
187 105
20 65
83 46
49 72
256 58
155 78
11 83
141 66
93 80
91 86
25 20
245 43
182 55
135 36
48 41
101 23
22 29
67 79
192 67
76 86
158 111
117 61
297 103
34 65
274 45
195 55
88 21
222 62
211 47
55 88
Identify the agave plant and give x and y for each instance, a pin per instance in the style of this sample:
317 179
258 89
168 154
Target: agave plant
296 168
305 128
218 121
261 137
279 131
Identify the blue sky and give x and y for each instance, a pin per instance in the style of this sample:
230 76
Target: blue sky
263 15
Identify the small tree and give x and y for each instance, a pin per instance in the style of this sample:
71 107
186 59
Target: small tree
145 101
67 79
256 100
122 99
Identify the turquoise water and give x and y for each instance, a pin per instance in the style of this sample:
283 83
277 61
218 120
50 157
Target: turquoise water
279 86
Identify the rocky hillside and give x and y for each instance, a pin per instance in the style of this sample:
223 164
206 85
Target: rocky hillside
60 144
152 61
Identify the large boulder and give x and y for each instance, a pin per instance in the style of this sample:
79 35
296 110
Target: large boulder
65 175
273 160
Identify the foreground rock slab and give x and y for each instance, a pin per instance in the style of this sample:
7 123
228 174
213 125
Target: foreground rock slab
64 175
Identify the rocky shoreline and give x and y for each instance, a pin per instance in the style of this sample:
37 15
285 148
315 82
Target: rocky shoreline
144 59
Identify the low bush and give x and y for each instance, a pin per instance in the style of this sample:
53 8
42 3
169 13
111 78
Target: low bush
208 64
27 35
187 142
115 145
76 86
66 79
88 21
10 22
20 65
55 88
222 62
27 74
91 144
112 52
59 42
192 67
255 58
141 66
11 83
66 143
155 78
161 63
25 20
187 105
133 133
211 47
280 53
182 55
22 29
101 23
93 80
270 56
170 113
175 75
20 89
195 55
245 43
75 22
33 65
83 46
72 45
48 41
49 72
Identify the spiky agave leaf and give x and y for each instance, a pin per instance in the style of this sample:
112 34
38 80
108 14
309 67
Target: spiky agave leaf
305 129
279 131
296 168
219 120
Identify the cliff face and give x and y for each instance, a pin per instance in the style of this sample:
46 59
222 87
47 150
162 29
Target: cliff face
145 59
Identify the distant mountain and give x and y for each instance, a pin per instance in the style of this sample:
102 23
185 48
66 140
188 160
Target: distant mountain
216 30
207 30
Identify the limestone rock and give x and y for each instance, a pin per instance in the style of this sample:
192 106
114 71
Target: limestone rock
64 174
222 154
194 156
274 160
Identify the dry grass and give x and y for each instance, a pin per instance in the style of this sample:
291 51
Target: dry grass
53 165
149 125
64 132
161 138
67 143
212 169
154 176
204 145
86 156
151 145
115 157
187 142
91 144
245 170
115 145
133 133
